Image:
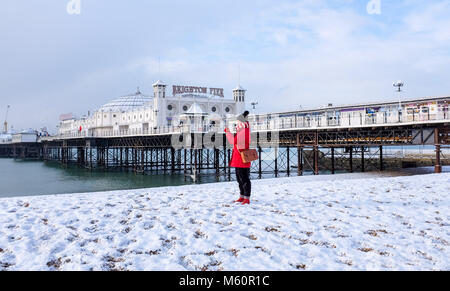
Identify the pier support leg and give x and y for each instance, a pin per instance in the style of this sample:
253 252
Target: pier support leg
178 167
229 164
381 158
300 161
288 166
172 160
316 160
121 157
86 157
185 164
316 155
299 157
216 162
363 166
276 162
195 170
438 165
107 157
200 159
191 160
143 161
151 159
259 162
90 158
351 159
332 162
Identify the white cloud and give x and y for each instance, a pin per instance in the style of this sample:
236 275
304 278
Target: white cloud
311 54
431 21
308 52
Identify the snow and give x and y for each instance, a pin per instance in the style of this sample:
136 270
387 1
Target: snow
342 222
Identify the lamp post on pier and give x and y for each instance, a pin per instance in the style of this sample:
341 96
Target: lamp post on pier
399 85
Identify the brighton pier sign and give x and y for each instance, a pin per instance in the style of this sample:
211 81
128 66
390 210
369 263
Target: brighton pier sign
178 90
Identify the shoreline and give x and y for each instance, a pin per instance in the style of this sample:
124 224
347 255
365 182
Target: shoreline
306 178
340 222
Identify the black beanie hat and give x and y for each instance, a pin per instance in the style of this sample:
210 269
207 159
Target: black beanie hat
243 117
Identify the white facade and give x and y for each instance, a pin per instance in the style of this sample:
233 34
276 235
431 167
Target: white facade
139 113
5 138
24 137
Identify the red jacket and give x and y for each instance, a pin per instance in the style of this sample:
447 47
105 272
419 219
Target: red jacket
240 141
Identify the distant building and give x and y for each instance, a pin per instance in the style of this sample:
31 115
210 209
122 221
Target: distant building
29 136
5 138
188 106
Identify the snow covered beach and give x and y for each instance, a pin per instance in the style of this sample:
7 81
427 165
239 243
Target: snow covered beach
342 222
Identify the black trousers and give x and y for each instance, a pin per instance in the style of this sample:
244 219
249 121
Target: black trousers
243 178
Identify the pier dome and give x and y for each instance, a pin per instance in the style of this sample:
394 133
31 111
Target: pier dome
126 103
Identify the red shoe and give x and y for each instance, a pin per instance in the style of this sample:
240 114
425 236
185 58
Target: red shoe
240 200
246 201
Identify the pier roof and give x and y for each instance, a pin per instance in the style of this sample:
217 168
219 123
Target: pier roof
126 103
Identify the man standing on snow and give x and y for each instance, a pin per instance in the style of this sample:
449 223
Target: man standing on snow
240 142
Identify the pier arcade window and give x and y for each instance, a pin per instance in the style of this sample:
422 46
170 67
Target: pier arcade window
185 108
227 110
170 107
214 109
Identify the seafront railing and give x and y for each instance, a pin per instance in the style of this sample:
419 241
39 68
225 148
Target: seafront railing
271 124
349 121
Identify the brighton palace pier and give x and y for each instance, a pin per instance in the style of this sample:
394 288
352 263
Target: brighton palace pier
182 132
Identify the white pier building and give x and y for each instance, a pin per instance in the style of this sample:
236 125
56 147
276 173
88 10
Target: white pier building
195 107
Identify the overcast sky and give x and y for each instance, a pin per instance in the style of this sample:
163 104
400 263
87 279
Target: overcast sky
291 53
